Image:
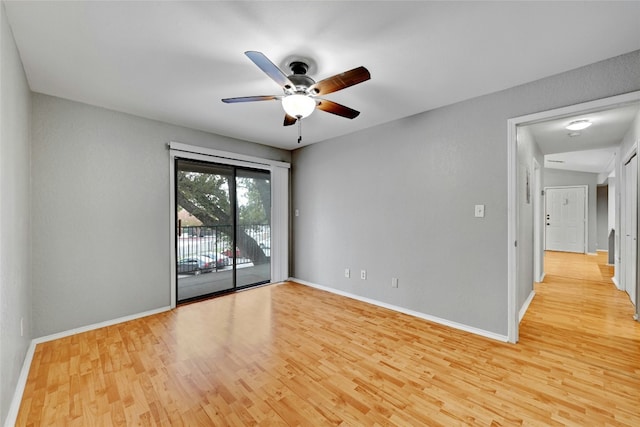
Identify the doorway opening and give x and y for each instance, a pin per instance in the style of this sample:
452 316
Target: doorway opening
524 151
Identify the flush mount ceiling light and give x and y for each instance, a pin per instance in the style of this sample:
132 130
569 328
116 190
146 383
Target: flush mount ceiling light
579 124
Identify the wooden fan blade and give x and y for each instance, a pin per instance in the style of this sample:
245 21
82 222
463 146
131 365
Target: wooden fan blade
340 81
270 69
337 109
289 120
251 98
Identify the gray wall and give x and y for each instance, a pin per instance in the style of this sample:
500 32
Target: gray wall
398 199
15 227
602 207
560 178
101 224
528 151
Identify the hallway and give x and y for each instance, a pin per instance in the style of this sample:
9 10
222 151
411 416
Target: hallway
580 316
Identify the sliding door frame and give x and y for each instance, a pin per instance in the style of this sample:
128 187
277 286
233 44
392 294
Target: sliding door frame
279 202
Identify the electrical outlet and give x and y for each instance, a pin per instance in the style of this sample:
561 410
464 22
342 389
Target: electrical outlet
347 273
363 274
394 282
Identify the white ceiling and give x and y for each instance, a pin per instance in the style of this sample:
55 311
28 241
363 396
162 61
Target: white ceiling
593 150
174 61
593 161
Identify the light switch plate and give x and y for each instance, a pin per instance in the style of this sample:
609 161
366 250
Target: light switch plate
479 211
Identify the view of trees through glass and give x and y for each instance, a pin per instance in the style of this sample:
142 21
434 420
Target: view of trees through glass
205 197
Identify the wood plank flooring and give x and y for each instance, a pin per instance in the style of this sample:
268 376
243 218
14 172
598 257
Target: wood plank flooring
289 355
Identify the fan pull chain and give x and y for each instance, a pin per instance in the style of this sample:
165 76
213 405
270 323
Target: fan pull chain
299 129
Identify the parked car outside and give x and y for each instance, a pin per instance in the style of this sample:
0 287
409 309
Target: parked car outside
219 260
195 265
228 252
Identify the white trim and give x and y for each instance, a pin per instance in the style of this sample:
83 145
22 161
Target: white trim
629 154
512 233
542 277
28 359
99 325
592 253
194 149
615 282
525 306
444 322
173 292
512 212
14 407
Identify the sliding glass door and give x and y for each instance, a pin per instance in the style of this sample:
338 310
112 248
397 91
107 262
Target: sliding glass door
223 228
253 227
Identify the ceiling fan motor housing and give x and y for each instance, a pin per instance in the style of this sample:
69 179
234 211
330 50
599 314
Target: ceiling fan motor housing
299 67
299 78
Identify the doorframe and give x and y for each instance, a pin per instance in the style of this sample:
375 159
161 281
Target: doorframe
585 214
279 203
512 196
633 151
538 215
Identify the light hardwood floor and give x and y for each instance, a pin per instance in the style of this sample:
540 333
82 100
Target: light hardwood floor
292 355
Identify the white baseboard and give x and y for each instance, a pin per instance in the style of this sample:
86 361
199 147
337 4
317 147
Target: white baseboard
26 365
615 282
525 306
592 254
12 416
445 322
542 277
99 325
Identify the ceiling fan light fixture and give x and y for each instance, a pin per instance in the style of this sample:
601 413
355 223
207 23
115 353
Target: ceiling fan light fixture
579 124
299 106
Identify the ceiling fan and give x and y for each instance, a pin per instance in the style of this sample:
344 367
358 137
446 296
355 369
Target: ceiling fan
301 94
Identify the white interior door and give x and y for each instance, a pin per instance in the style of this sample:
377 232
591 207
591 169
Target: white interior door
565 219
631 227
